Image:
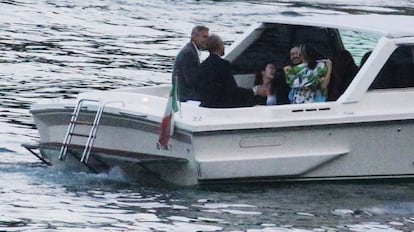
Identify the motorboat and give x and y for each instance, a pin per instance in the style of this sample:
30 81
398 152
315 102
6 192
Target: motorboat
367 133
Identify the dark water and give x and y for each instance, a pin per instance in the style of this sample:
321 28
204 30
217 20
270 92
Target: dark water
56 49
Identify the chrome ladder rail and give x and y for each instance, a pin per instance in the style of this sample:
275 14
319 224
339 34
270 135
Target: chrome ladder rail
72 124
92 134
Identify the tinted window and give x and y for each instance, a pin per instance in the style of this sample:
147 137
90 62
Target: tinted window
398 70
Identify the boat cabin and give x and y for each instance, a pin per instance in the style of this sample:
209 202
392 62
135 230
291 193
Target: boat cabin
391 65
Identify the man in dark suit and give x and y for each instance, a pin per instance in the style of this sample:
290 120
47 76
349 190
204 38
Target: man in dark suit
187 63
217 86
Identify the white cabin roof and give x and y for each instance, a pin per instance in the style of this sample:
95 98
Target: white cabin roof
392 26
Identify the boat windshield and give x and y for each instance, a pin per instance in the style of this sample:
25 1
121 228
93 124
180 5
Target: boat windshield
359 44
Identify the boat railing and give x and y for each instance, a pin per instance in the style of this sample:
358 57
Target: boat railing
91 136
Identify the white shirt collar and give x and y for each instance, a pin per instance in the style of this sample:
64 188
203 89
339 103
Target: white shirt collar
196 48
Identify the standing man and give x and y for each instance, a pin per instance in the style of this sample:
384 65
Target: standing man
217 86
187 63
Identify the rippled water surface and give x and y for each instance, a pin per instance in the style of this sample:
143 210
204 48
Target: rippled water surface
56 49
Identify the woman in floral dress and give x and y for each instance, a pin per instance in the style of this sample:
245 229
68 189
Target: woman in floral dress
308 80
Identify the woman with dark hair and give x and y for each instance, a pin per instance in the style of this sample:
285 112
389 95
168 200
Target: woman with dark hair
265 78
309 80
273 80
344 70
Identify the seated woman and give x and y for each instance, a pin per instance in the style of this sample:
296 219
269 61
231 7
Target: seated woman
309 80
273 81
266 79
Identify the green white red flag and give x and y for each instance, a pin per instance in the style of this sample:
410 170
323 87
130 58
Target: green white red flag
167 123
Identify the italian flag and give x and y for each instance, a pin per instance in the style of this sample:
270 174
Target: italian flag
167 124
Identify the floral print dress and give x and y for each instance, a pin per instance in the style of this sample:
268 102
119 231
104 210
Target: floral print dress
305 83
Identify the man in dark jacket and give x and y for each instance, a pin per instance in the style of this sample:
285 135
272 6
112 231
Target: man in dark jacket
217 86
187 63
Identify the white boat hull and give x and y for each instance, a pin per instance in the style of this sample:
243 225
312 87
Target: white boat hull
346 151
126 142
331 151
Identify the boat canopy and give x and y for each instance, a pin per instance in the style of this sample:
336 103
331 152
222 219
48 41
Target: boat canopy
392 26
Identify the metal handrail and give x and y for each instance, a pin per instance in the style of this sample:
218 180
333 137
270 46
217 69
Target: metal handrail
71 127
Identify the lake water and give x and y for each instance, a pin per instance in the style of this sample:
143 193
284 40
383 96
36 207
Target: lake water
56 49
